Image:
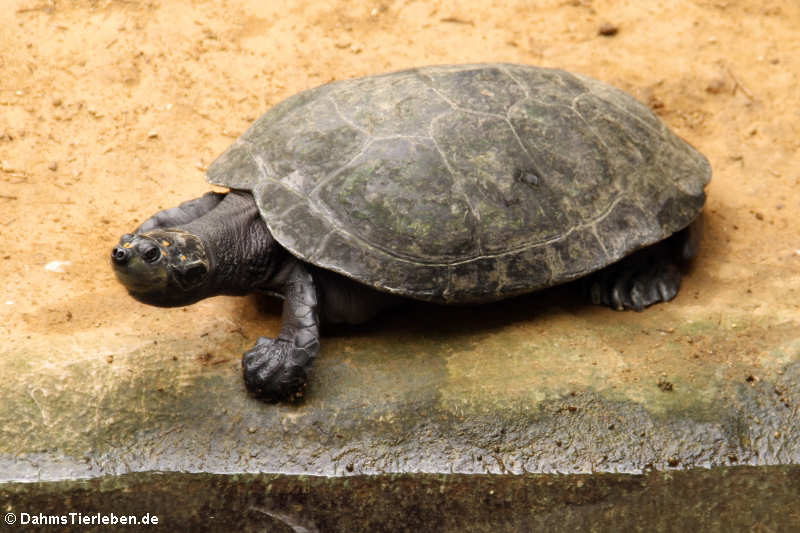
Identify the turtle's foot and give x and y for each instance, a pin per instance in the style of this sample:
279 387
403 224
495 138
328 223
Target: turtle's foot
632 289
275 369
647 277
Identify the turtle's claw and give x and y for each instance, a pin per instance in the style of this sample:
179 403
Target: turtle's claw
646 277
630 289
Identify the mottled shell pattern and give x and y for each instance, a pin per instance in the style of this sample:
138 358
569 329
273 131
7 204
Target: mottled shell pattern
465 183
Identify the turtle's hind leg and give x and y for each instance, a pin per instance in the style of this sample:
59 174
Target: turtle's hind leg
646 277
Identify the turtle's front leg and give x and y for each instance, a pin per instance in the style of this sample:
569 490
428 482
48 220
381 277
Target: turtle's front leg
276 369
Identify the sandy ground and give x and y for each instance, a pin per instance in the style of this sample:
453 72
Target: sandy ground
111 110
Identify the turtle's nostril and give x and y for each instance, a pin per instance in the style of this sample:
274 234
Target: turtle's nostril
120 255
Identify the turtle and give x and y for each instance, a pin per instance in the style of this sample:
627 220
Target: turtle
452 184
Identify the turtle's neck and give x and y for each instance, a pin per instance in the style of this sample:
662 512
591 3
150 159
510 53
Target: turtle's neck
243 255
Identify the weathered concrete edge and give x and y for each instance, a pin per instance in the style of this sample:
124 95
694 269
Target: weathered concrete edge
583 432
153 411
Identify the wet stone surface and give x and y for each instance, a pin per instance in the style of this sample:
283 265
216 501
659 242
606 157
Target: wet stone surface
510 388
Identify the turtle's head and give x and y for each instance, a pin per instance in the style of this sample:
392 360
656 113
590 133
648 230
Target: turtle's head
167 268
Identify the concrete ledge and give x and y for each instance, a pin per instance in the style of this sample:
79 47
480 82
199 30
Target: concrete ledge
465 391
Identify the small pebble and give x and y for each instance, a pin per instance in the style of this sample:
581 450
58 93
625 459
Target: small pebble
716 86
53 166
607 29
152 134
665 385
56 266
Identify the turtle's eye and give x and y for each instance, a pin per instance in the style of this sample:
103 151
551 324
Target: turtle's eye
151 255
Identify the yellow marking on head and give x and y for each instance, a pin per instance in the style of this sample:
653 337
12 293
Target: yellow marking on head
165 243
126 245
183 258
